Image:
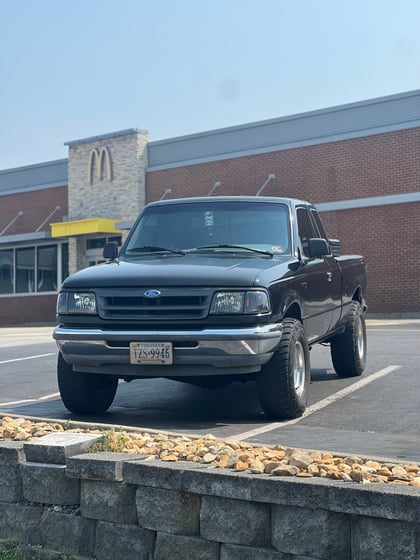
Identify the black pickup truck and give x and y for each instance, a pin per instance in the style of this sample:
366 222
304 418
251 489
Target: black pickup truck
209 291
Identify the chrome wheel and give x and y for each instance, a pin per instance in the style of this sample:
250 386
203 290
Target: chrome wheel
299 371
360 339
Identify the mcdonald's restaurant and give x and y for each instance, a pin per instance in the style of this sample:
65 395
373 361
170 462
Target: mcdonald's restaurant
359 163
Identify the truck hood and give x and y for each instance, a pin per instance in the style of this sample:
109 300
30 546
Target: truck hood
188 270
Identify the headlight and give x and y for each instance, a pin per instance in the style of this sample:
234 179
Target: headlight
240 302
76 302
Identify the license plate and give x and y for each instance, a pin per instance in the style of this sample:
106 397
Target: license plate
151 353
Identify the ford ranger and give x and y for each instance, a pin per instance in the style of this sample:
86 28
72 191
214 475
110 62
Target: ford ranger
209 291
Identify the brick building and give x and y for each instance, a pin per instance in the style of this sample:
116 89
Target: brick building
359 163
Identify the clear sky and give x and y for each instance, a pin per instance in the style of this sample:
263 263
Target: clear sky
72 69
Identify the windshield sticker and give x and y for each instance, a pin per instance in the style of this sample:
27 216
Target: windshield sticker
208 219
277 249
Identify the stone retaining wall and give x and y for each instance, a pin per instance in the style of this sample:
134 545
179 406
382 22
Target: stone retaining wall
57 499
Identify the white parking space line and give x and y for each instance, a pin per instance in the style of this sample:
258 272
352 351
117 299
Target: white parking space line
392 330
321 404
16 402
27 358
44 398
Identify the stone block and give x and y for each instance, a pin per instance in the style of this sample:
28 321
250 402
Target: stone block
67 533
377 500
55 448
48 484
99 466
11 489
157 474
376 539
20 523
221 482
11 453
115 541
237 552
177 547
108 501
235 521
189 477
169 511
293 491
311 532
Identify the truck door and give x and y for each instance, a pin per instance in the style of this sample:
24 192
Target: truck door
319 283
336 275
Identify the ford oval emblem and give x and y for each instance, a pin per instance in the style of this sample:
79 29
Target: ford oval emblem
152 293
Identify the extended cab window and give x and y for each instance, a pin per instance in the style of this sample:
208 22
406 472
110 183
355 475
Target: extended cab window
187 226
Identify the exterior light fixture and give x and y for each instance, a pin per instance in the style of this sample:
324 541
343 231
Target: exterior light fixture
56 209
167 191
271 177
214 187
18 215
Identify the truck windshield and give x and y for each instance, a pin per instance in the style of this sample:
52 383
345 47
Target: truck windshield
191 225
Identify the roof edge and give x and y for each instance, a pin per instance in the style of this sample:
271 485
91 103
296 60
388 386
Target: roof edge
294 116
125 132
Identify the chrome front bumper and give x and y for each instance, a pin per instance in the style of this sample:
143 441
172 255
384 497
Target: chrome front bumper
196 352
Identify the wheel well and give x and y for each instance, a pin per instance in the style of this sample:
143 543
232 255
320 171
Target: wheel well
294 312
358 296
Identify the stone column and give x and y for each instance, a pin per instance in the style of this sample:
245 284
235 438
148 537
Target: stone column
106 179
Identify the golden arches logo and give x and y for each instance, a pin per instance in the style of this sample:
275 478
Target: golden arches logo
102 161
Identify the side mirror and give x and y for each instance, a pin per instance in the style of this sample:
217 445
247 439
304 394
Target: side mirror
110 251
318 247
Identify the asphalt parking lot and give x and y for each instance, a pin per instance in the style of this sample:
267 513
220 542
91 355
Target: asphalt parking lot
376 415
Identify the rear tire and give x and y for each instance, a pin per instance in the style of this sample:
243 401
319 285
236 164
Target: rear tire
348 350
84 393
283 382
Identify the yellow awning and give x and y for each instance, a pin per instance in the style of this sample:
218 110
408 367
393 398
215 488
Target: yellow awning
83 227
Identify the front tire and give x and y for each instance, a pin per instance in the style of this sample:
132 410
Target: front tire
348 350
84 393
283 382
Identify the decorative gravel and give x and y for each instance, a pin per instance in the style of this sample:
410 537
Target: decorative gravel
225 454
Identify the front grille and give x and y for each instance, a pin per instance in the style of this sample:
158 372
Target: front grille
171 304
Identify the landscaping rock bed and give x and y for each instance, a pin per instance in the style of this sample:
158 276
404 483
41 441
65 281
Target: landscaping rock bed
228 454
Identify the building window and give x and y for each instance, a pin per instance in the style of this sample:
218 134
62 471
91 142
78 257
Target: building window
6 272
28 270
47 268
99 242
94 248
25 270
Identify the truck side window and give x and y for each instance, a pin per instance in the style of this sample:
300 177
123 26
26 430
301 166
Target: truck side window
305 229
320 226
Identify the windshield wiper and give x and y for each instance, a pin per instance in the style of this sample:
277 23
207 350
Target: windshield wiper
227 246
153 249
